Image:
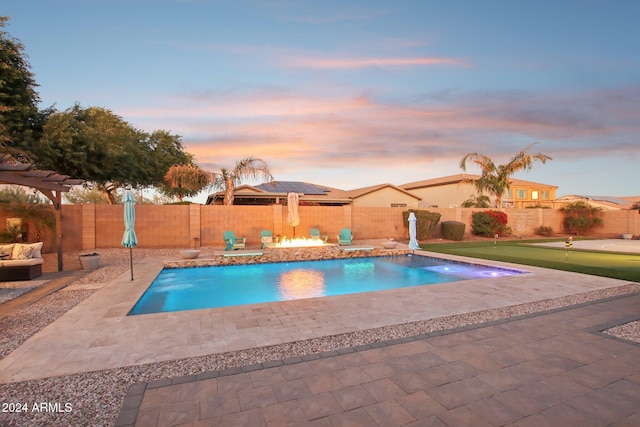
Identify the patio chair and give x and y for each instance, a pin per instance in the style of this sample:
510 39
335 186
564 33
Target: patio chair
345 237
315 234
232 242
266 237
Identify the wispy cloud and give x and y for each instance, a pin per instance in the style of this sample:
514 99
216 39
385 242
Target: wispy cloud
351 63
307 133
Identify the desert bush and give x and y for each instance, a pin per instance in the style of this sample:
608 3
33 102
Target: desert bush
580 218
544 231
489 223
425 225
452 230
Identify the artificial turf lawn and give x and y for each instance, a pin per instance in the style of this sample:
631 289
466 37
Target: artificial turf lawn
615 265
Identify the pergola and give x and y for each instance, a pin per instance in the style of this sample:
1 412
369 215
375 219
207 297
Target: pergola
49 183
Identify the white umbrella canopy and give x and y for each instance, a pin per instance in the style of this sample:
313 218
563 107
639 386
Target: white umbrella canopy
413 242
293 217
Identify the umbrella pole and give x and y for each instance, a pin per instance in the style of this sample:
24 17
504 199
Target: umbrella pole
131 261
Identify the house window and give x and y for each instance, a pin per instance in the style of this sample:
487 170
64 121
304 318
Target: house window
545 195
534 195
522 194
509 194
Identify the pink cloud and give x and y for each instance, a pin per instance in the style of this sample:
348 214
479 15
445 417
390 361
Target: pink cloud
348 63
299 133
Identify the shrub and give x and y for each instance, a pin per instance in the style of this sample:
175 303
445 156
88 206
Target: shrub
544 231
579 218
452 230
425 224
489 223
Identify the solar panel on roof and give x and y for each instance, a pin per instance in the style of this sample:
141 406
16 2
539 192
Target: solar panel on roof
615 200
293 187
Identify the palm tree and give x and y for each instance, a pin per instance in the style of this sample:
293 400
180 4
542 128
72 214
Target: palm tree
496 179
479 201
186 180
248 167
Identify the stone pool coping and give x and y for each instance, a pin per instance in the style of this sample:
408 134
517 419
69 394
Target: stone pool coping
97 334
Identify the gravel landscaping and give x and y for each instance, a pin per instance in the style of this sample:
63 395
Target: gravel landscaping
95 398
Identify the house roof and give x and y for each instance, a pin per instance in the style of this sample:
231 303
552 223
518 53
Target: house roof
603 201
454 179
359 192
309 192
294 187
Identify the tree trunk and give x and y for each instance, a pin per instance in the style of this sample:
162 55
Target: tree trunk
228 193
110 197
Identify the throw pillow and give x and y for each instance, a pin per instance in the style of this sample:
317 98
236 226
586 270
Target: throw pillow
7 249
21 251
37 249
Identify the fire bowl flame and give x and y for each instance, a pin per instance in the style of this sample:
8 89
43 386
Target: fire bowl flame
299 242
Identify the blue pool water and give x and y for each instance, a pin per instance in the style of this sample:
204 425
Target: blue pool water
222 286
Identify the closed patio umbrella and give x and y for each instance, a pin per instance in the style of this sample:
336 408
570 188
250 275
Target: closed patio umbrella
293 217
129 239
413 242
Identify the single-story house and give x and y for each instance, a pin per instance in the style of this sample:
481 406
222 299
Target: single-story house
383 195
603 202
274 193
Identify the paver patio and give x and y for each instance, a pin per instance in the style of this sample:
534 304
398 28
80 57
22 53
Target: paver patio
548 369
544 369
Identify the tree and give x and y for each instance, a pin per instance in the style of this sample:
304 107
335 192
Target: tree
100 147
247 168
477 201
166 151
86 194
30 208
580 217
185 180
496 179
20 121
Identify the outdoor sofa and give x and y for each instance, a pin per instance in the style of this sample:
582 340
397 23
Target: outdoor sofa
20 261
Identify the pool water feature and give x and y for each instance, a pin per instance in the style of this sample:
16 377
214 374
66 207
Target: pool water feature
176 289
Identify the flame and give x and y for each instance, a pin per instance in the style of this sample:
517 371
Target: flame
299 242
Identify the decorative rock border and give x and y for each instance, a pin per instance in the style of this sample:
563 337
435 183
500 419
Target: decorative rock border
286 255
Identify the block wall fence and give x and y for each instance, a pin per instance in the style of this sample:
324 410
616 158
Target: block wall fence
87 227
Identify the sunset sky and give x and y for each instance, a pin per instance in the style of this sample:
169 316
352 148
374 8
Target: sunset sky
355 93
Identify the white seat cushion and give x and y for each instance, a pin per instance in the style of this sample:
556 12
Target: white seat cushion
21 262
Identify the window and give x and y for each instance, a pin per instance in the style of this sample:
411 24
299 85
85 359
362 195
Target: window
522 194
534 194
398 205
545 195
509 194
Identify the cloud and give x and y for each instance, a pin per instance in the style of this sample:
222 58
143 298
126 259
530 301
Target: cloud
306 134
355 63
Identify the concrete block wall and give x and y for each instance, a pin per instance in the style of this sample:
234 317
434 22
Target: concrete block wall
328 219
620 222
374 223
244 221
88 227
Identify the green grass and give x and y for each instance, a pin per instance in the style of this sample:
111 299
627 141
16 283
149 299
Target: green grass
615 265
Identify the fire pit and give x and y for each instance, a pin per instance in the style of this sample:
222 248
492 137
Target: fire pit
299 242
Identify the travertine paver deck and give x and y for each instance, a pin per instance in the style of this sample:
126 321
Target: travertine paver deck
97 334
549 369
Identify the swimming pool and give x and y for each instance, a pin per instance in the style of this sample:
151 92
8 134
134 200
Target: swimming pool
179 289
